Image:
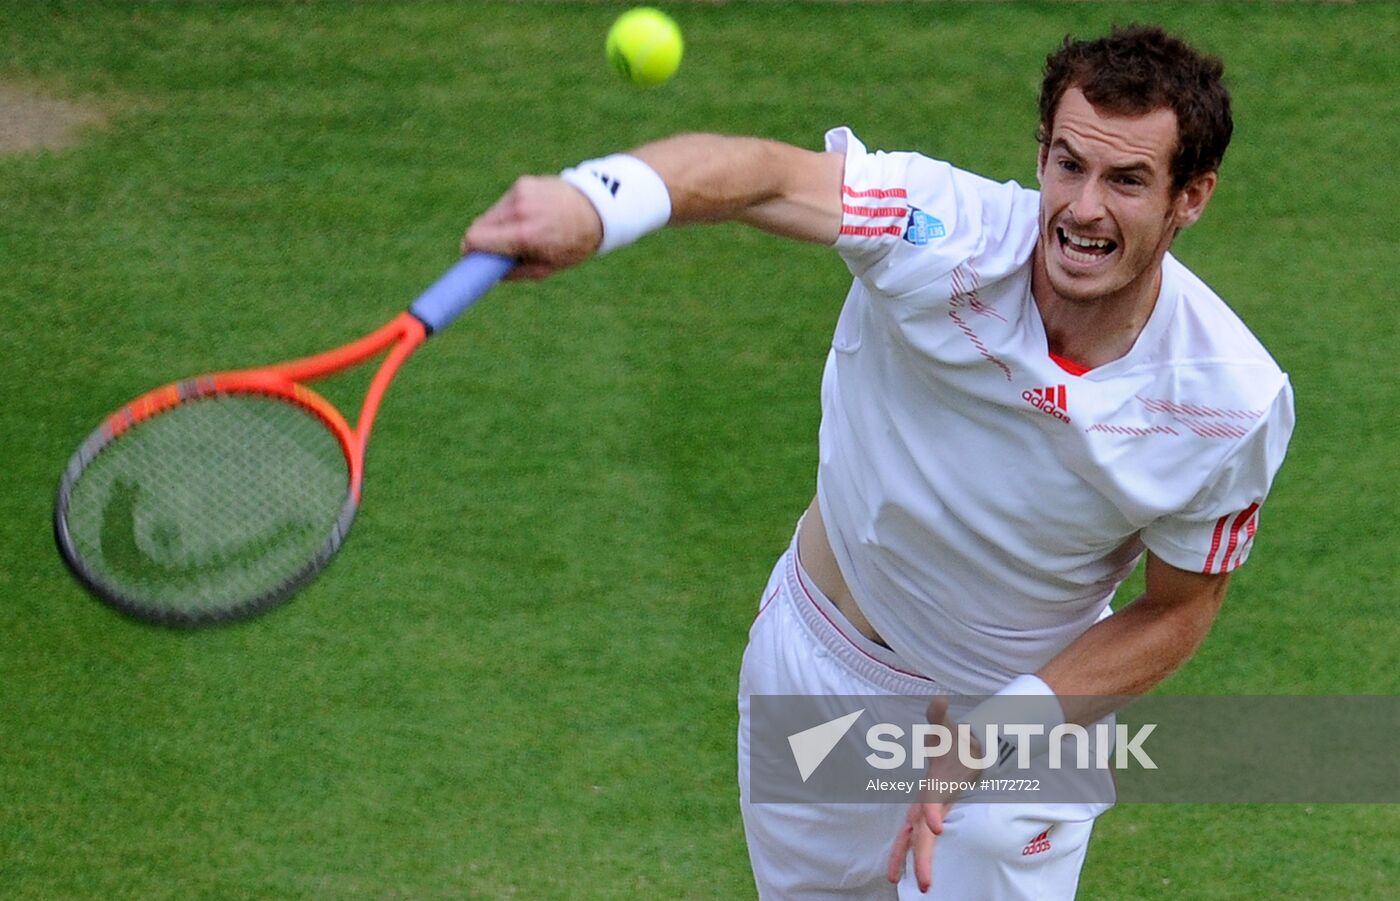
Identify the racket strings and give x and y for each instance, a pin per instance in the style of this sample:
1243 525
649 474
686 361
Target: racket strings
214 505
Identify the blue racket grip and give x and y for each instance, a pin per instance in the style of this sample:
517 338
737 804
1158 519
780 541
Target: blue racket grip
460 287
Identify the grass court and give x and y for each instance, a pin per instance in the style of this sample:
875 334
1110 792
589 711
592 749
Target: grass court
518 680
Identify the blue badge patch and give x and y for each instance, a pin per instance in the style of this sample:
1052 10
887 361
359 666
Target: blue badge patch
922 228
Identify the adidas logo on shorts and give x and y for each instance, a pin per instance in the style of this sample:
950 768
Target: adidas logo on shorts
1037 845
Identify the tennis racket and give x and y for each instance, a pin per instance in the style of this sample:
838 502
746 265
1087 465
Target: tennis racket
216 498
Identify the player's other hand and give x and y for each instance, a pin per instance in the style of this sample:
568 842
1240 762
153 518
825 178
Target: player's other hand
544 222
923 823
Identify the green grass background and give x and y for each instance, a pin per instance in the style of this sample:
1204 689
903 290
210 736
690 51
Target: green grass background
518 680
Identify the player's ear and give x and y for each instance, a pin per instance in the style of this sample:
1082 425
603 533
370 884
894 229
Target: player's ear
1040 158
1191 200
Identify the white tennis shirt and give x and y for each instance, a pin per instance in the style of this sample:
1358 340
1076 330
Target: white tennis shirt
982 501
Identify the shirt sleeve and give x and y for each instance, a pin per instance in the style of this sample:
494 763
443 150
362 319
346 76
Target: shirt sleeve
1215 534
907 220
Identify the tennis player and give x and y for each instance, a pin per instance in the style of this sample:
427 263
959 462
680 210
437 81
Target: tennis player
1025 393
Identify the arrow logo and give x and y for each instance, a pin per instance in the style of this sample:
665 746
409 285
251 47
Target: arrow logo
811 746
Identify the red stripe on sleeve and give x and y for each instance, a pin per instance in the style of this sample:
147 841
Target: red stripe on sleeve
1240 521
1248 537
1215 542
872 231
875 211
882 193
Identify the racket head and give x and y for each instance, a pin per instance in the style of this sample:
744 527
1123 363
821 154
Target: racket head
209 500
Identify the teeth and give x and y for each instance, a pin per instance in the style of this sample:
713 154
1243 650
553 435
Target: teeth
1087 242
1084 251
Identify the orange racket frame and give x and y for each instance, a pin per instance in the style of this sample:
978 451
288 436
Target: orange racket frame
436 308
405 334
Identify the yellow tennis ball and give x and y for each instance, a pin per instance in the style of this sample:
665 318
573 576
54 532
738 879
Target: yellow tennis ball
645 45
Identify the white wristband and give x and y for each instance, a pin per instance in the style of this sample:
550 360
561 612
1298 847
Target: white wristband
1028 706
629 196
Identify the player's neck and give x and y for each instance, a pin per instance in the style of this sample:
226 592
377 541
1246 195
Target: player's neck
1096 331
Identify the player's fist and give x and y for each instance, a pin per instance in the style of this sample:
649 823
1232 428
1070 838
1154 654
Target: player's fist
543 222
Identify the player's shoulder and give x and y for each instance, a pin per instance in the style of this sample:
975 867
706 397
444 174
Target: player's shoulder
1207 324
1208 348
918 176
920 217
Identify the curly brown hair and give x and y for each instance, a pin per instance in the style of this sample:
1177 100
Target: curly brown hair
1140 68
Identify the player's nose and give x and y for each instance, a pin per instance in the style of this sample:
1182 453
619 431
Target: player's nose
1088 205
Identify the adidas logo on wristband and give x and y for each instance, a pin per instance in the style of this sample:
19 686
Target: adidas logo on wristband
629 212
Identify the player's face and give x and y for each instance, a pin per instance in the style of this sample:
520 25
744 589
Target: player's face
1108 212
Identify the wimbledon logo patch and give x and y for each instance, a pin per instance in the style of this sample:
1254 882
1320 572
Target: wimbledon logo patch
922 228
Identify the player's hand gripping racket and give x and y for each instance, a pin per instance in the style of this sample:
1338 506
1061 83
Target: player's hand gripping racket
215 498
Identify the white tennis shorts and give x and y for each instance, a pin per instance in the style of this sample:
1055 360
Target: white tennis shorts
800 644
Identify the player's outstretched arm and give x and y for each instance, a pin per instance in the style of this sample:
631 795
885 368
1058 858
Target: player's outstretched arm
550 223
779 188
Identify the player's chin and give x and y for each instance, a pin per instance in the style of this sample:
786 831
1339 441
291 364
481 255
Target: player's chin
1078 287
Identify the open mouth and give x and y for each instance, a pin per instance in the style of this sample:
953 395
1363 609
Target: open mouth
1083 250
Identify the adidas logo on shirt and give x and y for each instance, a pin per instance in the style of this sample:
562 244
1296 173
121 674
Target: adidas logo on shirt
1051 400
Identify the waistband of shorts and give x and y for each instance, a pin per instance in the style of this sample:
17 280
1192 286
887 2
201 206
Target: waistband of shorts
829 627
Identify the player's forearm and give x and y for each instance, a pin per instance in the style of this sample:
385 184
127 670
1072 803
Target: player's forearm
777 187
1129 653
547 224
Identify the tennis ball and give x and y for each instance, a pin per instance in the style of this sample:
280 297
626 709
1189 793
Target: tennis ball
644 44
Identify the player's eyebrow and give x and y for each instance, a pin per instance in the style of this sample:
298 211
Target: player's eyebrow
1141 168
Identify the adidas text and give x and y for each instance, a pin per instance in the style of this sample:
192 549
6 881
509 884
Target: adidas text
1050 401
